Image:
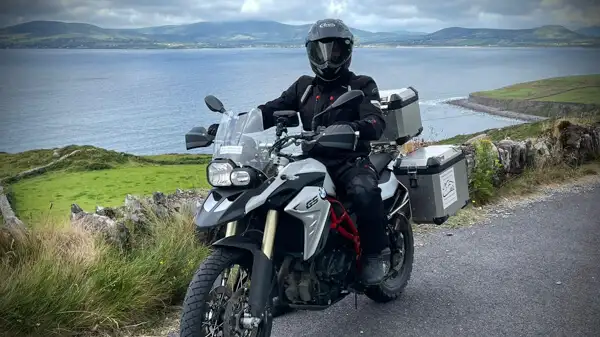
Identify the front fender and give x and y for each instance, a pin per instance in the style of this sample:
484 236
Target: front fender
224 205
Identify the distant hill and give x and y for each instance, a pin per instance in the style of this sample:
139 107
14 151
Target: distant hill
593 31
252 31
545 35
55 34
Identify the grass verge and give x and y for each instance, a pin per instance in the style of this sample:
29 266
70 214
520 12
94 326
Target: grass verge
63 282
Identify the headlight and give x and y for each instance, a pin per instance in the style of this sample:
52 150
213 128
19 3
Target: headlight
219 174
241 177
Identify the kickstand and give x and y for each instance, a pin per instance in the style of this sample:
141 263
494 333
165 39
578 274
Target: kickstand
355 301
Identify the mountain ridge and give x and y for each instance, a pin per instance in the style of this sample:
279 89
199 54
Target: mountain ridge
248 33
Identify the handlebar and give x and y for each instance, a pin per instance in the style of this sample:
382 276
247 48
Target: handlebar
304 136
309 138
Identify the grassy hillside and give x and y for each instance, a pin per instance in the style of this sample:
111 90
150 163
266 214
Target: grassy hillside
95 177
572 89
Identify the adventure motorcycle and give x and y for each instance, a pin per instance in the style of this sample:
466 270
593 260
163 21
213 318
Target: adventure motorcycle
286 231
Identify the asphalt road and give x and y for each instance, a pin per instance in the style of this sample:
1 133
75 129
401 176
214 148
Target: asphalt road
532 270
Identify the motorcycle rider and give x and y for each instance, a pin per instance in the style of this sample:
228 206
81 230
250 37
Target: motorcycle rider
329 46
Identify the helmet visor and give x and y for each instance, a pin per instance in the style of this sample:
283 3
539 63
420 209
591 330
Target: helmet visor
333 51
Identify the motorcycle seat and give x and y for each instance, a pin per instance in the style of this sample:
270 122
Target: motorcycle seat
380 160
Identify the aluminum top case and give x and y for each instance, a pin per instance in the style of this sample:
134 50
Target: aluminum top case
437 182
402 115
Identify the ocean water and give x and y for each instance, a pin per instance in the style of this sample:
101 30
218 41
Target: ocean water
144 101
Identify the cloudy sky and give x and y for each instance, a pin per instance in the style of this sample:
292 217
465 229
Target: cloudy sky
374 15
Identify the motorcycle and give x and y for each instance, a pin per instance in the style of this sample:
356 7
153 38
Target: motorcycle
288 235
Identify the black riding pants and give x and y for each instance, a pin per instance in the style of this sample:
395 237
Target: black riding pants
356 181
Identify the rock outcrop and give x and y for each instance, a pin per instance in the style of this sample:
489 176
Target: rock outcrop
139 212
578 143
114 231
569 143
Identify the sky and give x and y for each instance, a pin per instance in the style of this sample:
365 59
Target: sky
373 15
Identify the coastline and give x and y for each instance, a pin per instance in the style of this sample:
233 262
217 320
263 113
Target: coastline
283 46
467 104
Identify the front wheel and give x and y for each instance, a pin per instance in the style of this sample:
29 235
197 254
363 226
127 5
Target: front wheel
402 246
216 302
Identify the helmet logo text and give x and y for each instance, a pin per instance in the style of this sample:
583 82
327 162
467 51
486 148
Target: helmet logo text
326 25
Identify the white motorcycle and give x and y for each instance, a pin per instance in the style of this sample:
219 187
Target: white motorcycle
287 234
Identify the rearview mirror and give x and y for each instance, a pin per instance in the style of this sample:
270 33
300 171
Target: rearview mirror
352 97
197 137
289 118
348 98
214 104
285 113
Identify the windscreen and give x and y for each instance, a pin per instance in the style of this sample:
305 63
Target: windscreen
242 139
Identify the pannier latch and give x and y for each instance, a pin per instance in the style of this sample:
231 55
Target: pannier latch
412 176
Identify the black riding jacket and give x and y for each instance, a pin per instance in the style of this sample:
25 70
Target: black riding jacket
367 119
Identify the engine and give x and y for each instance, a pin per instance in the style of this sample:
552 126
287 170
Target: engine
319 281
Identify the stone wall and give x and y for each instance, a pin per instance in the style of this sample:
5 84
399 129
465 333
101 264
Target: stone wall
568 143
10 219
138 213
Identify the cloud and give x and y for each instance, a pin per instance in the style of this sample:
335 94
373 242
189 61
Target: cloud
375 15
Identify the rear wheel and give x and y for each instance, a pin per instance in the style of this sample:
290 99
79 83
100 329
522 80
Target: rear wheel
216 302
402 246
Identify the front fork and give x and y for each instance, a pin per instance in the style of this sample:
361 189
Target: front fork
269 234
262 269
231 229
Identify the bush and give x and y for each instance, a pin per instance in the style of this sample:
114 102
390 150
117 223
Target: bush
64 282
485 172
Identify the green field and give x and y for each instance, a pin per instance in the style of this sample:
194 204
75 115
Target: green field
95 177
104 187
583 89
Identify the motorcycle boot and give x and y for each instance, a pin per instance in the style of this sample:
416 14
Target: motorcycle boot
375 267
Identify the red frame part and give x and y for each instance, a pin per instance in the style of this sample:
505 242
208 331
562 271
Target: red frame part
344 225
